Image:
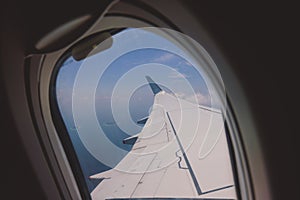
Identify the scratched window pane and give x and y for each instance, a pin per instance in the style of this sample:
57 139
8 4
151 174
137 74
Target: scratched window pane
144 117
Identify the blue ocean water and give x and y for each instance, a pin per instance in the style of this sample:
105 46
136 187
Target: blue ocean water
89 164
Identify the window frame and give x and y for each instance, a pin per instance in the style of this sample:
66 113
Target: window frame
48 68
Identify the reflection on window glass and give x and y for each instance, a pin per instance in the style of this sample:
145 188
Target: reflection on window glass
144 118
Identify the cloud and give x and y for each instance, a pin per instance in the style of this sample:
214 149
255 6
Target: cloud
176 74
203 99
164 57
197 98
100 97
188 64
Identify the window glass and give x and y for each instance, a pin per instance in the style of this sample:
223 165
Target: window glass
144 117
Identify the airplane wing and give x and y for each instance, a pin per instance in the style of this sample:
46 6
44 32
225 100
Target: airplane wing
169 158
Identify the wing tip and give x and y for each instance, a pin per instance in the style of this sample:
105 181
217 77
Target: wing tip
154 86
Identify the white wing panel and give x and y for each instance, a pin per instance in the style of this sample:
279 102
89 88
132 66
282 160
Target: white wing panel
166 159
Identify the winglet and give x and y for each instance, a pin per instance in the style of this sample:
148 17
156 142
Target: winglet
154 86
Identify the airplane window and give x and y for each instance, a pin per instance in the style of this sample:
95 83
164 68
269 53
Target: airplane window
145 116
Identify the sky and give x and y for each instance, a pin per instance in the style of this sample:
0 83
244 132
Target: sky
112 85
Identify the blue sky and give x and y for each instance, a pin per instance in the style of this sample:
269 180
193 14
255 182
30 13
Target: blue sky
121 84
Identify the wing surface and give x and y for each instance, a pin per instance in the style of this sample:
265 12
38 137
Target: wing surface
181 152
